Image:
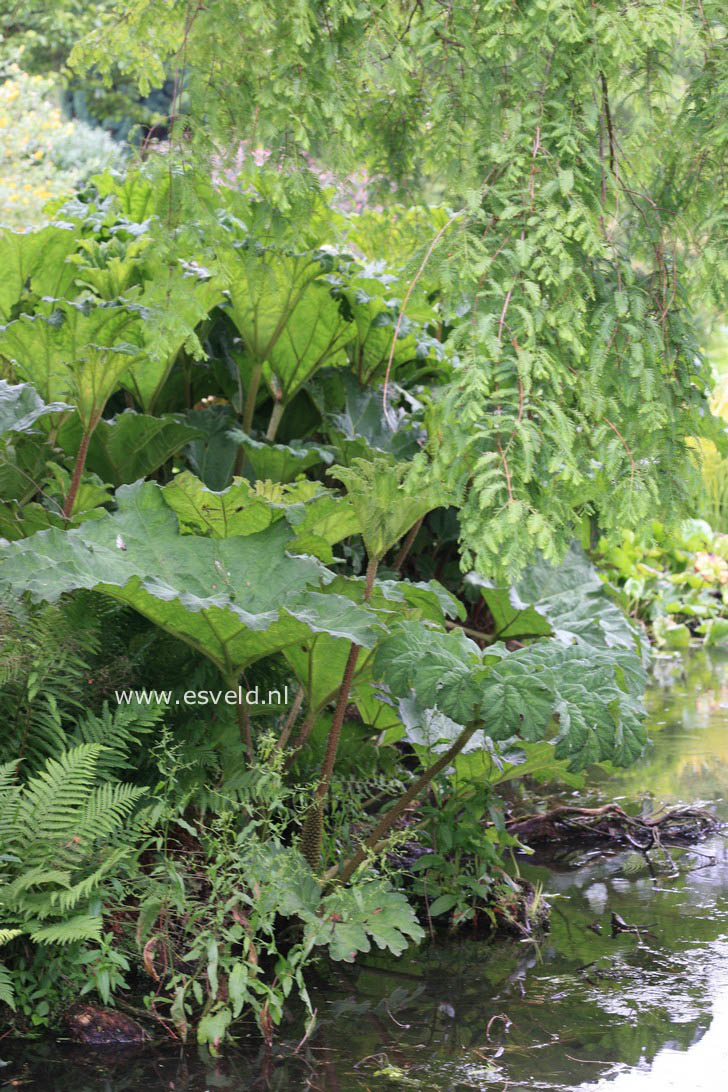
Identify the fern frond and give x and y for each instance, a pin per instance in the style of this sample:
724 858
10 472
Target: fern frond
7 994
45 653
33 877
82 927
52 829
68 900
107 807
117 732
51 801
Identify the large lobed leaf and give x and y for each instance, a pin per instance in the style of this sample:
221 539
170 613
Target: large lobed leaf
583 698
35 260
320 664
73 352
350 918
568 600
319 517
286 316
130 446
281 462
345 921
177 301
234 599
385 503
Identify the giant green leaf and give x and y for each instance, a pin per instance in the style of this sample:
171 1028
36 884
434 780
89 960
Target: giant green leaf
129 446
319 517
177 301
73 352
361 427
110 268
596 702
35 259
515 699
313 336
568 600
139 197
441 669
233 599
281 462
385 503
286 316
374 312
213 455
577 695
241 509
328 519
319 663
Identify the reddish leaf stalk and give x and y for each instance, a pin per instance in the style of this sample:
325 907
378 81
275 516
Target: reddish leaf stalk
335 731
374 841
77 472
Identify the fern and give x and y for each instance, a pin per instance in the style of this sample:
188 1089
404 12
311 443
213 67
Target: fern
118 733
58 833
44 654
7 994
82 927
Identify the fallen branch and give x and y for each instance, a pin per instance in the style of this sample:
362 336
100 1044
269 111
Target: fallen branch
568 822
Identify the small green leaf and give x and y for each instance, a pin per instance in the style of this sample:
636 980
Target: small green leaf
212 1028
237 987
442 904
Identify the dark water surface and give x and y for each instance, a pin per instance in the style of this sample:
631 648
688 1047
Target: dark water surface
578 1011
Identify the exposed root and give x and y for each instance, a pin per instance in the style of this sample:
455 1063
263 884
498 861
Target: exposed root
612 823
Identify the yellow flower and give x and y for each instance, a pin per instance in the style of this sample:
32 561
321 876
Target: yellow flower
38 154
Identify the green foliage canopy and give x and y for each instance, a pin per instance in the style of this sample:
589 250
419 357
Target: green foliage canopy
588 175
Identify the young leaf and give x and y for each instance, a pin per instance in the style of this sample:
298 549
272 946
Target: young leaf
385 508
349 917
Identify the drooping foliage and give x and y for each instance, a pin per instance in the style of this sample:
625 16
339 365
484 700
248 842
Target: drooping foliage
571 259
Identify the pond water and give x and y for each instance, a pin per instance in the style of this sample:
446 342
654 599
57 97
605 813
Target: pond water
579 1010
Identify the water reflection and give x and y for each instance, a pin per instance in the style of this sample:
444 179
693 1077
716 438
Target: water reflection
589 1010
